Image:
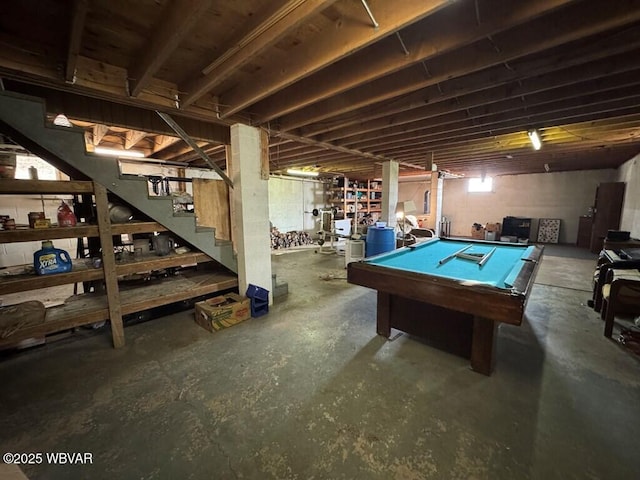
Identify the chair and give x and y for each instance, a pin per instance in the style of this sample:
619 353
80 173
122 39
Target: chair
603 271
620 294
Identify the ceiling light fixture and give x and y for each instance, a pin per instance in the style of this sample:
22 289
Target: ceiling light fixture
535 139
62 121
303 173
112 152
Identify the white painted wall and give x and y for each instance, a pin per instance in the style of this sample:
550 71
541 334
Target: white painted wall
629 173
290 198
563 195
19 206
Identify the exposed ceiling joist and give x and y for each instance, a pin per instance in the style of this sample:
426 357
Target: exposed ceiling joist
572 25
439 33
75 37
132 137
275 25
455 82
99 131
345 38
178 19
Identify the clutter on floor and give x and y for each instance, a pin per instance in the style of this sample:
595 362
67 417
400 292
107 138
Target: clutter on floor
289 239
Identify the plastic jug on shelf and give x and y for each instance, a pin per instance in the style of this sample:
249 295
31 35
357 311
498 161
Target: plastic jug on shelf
50 260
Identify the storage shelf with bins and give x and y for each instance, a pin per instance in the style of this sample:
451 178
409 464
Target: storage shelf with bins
361 196
93 307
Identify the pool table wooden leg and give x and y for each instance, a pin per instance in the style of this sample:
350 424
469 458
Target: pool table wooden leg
383 326
483 346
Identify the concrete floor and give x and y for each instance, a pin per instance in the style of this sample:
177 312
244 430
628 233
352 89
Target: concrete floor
310 392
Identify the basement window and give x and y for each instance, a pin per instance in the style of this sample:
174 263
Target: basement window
479 185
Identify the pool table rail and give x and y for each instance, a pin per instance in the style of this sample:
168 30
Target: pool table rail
476 299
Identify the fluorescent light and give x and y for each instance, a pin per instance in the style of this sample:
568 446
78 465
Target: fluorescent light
535 139
112 152
304 173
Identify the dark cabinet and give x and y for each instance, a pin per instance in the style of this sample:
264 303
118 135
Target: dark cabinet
585 224
516 227
607 212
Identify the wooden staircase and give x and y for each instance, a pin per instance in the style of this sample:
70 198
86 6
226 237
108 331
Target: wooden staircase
24 119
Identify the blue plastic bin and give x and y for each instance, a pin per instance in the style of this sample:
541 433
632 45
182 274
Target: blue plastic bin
258 293
259 300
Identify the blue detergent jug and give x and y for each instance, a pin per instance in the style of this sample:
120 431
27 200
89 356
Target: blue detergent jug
51 260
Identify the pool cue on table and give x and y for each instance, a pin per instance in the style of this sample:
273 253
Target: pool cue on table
486 257
446 259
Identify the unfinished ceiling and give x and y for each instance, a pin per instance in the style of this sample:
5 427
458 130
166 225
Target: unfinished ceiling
343 85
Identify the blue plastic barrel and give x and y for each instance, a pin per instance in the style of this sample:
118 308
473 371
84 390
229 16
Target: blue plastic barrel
380 240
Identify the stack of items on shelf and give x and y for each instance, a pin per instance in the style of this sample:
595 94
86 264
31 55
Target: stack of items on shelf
289 239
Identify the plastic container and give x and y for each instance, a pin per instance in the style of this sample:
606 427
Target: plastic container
49 260
66 218
380 240
259 300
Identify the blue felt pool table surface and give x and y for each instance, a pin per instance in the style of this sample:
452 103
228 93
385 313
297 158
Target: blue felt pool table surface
499 271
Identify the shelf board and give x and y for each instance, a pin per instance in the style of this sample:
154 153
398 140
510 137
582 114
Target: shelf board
79 231
145 263
12 186
90 308
23 282
136 227
82 272
35 234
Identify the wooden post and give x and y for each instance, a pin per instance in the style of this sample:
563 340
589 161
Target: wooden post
109 266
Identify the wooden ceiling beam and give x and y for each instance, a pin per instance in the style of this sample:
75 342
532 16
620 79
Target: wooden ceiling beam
78 17
160 142
592 77
119 115
522 121
569 24
273 25
99 131
445 30
611 52
132 137
177 20
549 101
345 37
191 156
488 150
177 150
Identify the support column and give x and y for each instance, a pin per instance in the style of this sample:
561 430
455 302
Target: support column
390 171
250 207
439 189
436 201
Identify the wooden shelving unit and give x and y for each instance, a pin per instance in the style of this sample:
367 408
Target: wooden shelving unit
356 196
89 308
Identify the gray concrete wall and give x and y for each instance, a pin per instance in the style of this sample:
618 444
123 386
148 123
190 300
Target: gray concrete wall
290 198
630 174
563 195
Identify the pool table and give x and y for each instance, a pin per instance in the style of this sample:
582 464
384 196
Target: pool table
453 302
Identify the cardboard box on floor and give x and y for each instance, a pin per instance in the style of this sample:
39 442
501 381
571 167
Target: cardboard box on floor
222 312
477 234
493 227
